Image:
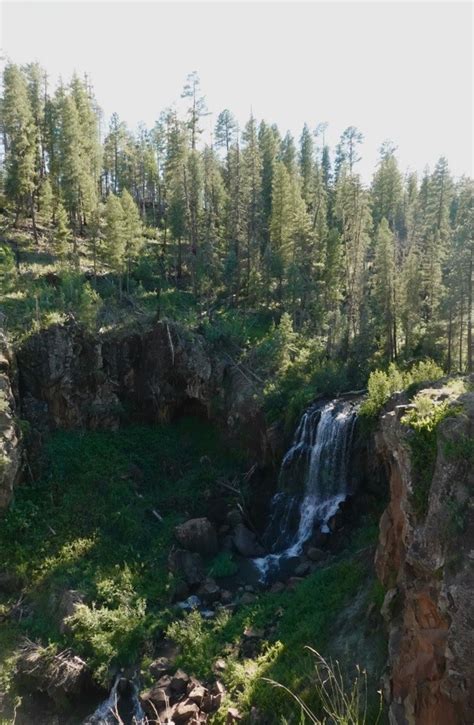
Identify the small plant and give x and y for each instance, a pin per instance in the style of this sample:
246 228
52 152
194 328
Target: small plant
423 419
223 565
340 704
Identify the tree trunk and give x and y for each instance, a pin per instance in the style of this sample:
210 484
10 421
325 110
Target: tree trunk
33 219
469 315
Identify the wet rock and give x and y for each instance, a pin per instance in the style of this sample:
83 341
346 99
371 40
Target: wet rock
277 588
302 569
246 543
226 596
192 602
188 565
198 536
234 518
315 554
209 591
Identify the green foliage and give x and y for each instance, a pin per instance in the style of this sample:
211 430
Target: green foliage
342 703
382 385
82 526
302 617
424 419
460 449
8 271
223 565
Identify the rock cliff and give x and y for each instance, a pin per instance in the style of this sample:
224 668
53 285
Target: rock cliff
10 440
426 564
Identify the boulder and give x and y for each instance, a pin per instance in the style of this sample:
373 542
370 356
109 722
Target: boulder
179 682
70 600
245 542
302 569
158 696
315 554
198 535
188 565
185 711
209 591
160 666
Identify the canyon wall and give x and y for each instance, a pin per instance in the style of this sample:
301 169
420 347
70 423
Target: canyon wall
426 564
10 440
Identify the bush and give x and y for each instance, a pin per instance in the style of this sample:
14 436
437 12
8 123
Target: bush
424 420
223 565
382 385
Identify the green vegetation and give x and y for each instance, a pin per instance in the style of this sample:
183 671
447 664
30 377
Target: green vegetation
257 238
222 565
342 704
88 525
382 384
424 419
291 620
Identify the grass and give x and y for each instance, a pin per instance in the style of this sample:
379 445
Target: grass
288 622
88 524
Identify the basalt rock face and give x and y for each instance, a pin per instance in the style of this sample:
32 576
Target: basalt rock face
71 379
10 439
426 564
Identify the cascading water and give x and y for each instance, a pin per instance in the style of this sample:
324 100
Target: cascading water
122 707
319 459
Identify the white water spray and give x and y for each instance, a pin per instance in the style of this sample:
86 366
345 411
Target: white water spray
320 453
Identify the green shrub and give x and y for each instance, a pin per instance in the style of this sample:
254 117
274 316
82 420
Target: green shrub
223 565
424 419
381 385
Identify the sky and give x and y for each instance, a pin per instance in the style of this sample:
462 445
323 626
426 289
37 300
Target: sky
396 70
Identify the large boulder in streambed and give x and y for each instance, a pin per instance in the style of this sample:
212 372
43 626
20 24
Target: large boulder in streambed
246 542
187 565
197 535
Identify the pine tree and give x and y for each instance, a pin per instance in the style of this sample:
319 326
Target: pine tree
45 200
387 188
133 232
20 142
62 235
281 227
306 164
384 287
115 239
198 108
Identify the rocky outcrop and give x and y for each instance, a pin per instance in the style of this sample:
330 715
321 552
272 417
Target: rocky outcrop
425 563
70 378
10 440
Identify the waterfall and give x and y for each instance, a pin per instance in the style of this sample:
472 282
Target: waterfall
318 462
121 707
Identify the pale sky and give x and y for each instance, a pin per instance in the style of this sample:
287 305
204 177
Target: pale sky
402 71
